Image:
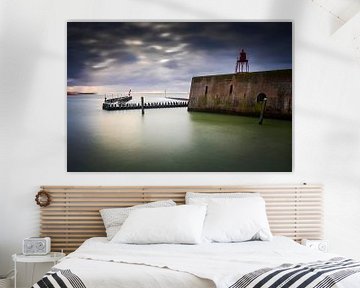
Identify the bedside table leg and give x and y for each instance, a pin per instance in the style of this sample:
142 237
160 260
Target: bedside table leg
32 274
26 272
15 273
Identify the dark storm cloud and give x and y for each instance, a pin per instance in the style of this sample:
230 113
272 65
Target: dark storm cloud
159 55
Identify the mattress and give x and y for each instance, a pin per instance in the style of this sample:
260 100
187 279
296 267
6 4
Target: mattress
99 263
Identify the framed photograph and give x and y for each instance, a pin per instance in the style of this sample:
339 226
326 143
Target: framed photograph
179 96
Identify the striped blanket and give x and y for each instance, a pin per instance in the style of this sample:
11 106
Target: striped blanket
59 278
320 274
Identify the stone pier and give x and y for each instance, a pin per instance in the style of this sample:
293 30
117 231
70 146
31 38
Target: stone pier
243 93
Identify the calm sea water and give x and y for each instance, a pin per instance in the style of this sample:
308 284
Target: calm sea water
171 140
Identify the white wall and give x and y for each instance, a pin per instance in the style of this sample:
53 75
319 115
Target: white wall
33 111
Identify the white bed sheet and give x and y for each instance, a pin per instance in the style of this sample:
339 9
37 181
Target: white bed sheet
101 274
100 263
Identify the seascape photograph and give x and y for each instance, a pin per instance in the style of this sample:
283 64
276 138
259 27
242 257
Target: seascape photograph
179 96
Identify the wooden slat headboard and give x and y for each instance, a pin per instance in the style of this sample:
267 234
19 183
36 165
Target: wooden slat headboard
73 215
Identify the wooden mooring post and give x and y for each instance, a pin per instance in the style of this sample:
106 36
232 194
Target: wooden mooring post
262 111
142 106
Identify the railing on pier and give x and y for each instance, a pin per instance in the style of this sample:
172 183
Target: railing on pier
177 98
151 105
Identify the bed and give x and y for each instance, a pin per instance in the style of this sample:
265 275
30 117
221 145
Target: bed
99 263
294 211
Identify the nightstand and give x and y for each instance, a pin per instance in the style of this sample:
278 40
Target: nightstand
320 245
53 257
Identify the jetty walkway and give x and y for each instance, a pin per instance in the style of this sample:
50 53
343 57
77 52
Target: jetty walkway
150 105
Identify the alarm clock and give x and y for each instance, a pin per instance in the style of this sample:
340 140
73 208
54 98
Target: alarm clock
36 246
320 245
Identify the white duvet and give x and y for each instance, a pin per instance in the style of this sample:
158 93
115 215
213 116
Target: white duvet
100 263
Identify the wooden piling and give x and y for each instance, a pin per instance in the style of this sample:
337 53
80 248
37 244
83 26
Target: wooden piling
262 111
142 106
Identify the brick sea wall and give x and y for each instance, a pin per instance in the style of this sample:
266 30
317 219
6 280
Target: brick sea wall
241 93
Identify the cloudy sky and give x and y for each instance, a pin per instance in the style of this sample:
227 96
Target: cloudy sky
143 56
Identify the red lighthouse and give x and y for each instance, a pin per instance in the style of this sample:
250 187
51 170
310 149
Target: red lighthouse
242 64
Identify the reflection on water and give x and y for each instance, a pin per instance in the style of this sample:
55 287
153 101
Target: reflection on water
172 139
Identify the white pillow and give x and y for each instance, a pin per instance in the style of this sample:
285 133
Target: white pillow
113 218
180 224
236 220
204 198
